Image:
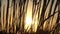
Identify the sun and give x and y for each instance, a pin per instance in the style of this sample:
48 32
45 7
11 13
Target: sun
28 20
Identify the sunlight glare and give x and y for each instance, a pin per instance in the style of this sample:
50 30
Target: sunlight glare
28 20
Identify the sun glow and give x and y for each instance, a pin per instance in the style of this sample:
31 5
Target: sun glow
28 20
28 17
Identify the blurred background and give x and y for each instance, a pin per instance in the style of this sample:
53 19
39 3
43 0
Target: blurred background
29 17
